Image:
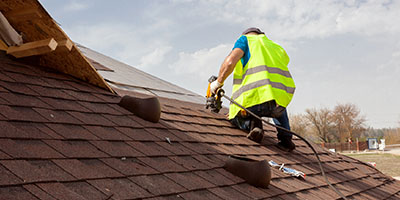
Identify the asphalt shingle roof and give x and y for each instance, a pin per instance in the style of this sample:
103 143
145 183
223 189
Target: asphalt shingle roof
123 76
63 138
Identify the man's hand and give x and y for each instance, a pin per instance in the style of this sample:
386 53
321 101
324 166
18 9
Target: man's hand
214 86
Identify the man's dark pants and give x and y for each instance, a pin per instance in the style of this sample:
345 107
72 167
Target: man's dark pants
267 109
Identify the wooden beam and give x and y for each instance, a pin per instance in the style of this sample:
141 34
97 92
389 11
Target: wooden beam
23 14
33 48
64 45
8 33
3 45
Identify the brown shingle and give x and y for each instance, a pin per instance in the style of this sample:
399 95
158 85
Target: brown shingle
4 77
107 133
85 190
21 113
76 149
57 116
50 92
18 88
251 191
26 130
230 176
59 191
56 81
227 193
28 79
7 178
82 96
102 108
162 164
212 161
87 168
116 149
4 156
83 86
190 180
201 148
162 134
150 148
28 149
123 121
37 192
36 170
137 134
157 184
199 194
72 131
216 177
119 188
129 166
23 100
15 192
176 148
91 118
63 104
189 162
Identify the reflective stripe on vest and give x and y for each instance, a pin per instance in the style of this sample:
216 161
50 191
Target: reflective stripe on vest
260 83
264 78
261 68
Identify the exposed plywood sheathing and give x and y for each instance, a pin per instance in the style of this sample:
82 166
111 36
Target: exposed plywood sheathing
33 48
34 23
24 14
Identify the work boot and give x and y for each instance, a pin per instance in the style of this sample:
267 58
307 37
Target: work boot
286 144
256 134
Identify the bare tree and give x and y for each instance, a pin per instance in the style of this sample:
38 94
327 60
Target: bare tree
348 121
299 124
392 136
321 121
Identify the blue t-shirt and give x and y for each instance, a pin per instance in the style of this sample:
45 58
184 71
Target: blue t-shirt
242 44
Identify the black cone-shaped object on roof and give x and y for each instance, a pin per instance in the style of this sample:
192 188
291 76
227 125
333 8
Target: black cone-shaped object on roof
254 172
147 108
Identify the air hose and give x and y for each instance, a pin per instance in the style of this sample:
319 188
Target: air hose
221 92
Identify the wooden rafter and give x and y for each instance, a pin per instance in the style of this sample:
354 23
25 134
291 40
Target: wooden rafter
64 45
3 45
33 48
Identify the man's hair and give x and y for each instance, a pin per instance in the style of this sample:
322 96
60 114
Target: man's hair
252 29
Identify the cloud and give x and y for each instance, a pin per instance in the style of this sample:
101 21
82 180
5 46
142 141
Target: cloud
290 19
125 42
154 58
198 66
390 67
201 62
76 6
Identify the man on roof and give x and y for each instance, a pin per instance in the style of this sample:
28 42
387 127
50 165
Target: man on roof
261 83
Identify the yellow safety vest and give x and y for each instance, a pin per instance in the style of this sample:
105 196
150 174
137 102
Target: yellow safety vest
264 78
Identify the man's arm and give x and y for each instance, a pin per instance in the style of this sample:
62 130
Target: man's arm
229 64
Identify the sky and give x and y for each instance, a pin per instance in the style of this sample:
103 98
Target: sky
340 51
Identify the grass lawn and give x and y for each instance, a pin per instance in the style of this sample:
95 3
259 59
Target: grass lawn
388 164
